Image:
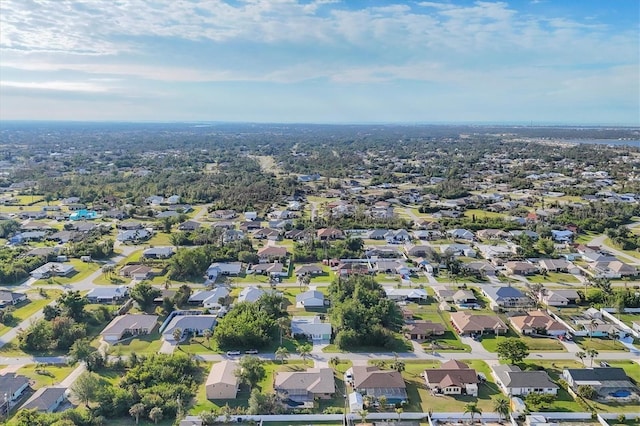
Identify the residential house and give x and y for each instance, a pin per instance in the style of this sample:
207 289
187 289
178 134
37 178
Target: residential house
158 253
12 386
133 235
538 322
128 325
275 269
444 294
222 382
10 298
466 323
506 297
465 299
423 330
189 226
223 269
46 399
52 269
209 298
373 382
224 214
312 270
108 295
271 253
250 294
461 234
411 294
268 234
419 250
452 378
557 265
305 386
137 272
520 268
497 255
130 225
311 327
605 380
458 250
492 234
188 325
515 382
558 297
612 269
565 236
311 298
325 234
480 269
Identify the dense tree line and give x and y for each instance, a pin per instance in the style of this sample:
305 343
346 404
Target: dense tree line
15 267
362 315
191 263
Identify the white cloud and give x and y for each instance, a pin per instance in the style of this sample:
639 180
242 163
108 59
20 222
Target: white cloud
62 86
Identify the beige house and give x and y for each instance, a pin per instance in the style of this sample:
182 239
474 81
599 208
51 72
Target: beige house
538 322
128 325
452 378
222 382
465 323
304 386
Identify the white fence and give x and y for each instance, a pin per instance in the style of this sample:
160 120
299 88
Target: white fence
620 324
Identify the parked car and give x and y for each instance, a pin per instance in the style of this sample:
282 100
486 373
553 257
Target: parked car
251 351
233 353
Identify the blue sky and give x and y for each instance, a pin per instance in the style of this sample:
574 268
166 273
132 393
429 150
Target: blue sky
541 61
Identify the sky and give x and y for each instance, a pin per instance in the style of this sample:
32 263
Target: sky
321 61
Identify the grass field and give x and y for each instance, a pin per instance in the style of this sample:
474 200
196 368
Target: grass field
142 345
46 376
553 277
24 311
83 270
535 344
421 399
632 253
599 344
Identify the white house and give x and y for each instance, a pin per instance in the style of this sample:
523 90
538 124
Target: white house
310 299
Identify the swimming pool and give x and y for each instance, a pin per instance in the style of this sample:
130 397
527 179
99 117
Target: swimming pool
621 393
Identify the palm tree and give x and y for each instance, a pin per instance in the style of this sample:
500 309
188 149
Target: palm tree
155 414
472 409
282 353
283 324
399 411
177 334
501 406
581 355
136 411
593 324
363 415
304 351
592 353
334 361
207 335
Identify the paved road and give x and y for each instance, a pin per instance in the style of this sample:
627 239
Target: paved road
599 241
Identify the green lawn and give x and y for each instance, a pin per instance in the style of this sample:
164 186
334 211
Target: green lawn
242 400
632 253
159 239
24 311
421 399
449 342
47 376
84 269
143 345
599 344
535 344
553 277
482 213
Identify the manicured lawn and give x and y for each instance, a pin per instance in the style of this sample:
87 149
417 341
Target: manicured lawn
599 344
553 277
586 236
535 344
159 239
147 345
84 269
482 213
242 399
47 376
402 346
24 311
632 253
421 399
